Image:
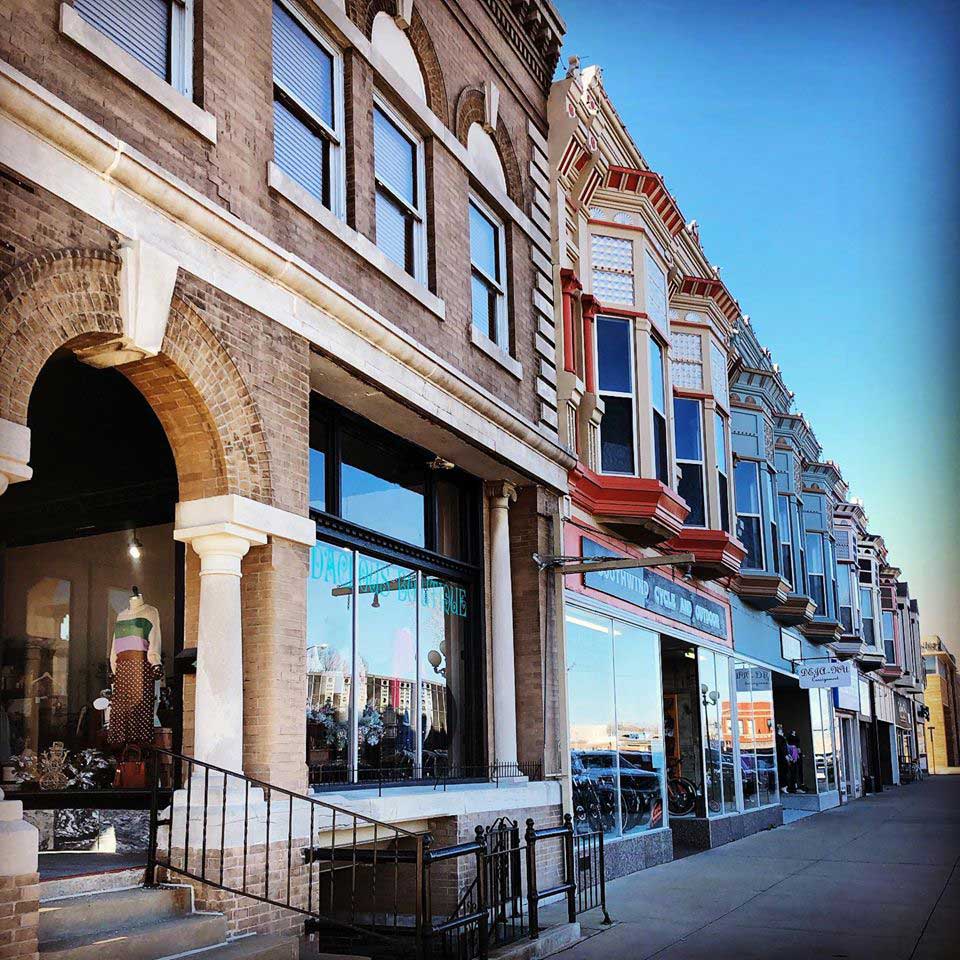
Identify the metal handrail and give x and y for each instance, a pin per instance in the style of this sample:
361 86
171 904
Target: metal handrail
301 870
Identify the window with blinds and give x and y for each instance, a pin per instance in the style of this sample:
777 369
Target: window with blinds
488 265
307 107
400 198
612 263
156 32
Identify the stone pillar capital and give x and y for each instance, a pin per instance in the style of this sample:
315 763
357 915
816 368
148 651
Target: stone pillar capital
501 493
221 546
14 453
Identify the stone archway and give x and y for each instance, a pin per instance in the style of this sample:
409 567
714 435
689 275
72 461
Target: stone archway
71 298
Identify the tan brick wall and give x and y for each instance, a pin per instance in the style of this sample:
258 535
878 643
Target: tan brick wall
19 916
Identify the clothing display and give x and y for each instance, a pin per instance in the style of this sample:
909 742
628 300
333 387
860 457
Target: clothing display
136 664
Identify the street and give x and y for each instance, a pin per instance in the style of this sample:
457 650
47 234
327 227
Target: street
874 879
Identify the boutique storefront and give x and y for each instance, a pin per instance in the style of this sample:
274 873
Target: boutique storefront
671 734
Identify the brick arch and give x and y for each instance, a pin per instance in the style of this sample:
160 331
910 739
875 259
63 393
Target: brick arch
470 110
363 12
70 298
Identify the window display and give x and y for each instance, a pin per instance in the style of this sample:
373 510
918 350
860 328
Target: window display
616 729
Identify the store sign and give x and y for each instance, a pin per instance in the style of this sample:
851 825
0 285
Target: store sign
753 678
651 591
825 674
903 711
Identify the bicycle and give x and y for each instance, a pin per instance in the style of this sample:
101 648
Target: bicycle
681 793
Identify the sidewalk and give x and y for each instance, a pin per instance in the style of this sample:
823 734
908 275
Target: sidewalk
875 879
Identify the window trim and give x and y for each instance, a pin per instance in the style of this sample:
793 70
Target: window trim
785 540
500 287
656 411
334 136
720 446
758 516
632 394
419 213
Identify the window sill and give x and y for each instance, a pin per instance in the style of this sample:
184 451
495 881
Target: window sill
288 188
496 352
72 25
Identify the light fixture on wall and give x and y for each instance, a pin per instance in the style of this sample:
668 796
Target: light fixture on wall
136 547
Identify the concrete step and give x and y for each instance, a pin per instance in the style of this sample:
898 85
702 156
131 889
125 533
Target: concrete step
91 883
88 913
266 946
146 941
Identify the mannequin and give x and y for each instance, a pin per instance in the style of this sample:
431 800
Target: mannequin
135 661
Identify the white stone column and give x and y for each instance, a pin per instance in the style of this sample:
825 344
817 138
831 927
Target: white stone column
14 453
501 589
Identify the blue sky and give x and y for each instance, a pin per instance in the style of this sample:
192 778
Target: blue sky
817 145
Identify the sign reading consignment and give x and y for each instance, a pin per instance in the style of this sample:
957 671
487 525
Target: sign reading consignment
651 591
825 673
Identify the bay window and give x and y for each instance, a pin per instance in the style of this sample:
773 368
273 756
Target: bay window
769 506
845 597
615 385
749 513
658 402
723 483
688 429
157 33
866 616
886 628
400 200
488 271
307 107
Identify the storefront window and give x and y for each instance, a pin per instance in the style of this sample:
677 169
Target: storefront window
821 725
616 728
717 722
758 761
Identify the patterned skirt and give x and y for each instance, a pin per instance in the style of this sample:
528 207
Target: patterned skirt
131 709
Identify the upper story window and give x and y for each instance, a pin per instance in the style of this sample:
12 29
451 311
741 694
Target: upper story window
400 196
723 482
786 538
658 401
866 616
307 107
488 270
615 385
845 596
656 291
749 512
688 429
887 630
612 260
687 361
158 33
865 567
816 580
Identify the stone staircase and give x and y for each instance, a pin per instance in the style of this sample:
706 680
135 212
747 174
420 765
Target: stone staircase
139 923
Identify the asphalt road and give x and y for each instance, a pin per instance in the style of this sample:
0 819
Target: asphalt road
876 879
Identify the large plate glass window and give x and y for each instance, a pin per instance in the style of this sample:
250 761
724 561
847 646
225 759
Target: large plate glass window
749 513
488 269
720 787
395 688
615 386
158 33
757 728
658 402
616 725
688 429
307 106
612 259
824 753
723 473
400 195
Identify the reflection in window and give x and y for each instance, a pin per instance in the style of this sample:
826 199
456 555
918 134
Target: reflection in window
689 441
658 402
715 708
381 491
821 724
758 758
749 517
748 738
615 384
616 728
786 539
815 577
723 483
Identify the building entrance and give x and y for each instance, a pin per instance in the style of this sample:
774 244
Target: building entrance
90 606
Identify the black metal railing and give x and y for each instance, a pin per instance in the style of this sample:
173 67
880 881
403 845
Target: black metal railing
589 874
503 866
353 876
336 777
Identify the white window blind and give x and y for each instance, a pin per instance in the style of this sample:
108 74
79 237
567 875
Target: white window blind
612 259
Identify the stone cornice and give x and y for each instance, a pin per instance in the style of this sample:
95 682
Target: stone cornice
535 31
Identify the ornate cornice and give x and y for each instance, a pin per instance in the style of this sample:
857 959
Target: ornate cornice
535 30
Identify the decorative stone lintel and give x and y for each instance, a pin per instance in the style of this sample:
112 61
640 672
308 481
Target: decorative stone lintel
14 454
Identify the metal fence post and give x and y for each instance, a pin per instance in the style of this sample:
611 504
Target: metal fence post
532 899
603 884
150 877
482 906
571 870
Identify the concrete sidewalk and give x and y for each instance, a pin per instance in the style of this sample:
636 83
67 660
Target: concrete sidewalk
875 879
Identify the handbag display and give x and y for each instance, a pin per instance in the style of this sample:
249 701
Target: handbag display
131 769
